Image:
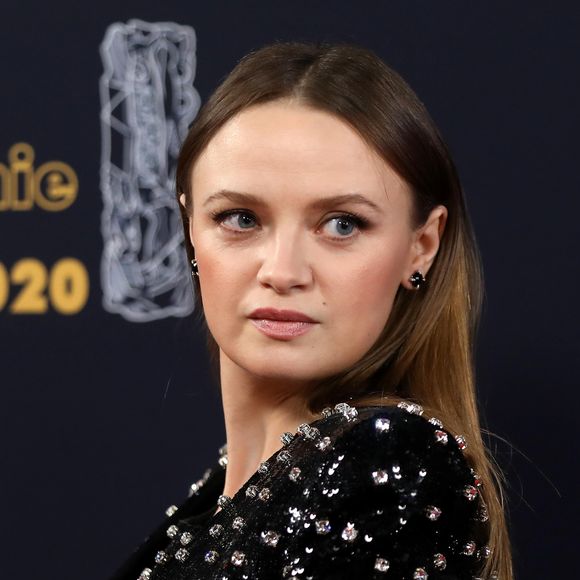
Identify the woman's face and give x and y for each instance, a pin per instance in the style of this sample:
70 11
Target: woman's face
293 211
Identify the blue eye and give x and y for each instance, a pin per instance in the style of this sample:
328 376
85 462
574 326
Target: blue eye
346 224
241 219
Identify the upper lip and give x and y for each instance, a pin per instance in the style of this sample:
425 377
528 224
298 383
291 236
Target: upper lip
274 314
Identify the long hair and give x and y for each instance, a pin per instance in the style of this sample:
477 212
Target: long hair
425 353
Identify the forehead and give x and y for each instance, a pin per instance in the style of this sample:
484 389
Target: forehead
287 149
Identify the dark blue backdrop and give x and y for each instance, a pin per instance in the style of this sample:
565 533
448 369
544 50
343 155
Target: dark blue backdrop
104 422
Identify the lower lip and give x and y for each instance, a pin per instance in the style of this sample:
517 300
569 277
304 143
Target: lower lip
283 329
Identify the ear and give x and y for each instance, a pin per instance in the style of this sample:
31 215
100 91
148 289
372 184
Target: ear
425 245
182 199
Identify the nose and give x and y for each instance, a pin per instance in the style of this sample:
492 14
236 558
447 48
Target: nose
284 265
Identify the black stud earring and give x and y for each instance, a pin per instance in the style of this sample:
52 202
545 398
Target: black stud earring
417 279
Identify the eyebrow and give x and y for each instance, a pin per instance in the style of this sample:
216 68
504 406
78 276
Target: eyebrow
322 203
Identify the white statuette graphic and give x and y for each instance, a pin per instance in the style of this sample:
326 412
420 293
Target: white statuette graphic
148 102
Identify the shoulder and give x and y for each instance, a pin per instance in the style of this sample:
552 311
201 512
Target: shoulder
392 489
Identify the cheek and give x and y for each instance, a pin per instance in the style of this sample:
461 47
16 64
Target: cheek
365 293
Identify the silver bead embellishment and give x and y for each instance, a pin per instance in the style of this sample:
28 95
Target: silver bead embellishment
170 510
284 456
264 494
251 491
264 466
470 492
238 523
194 488
185 538
145 574
461 442
323 444
161 557
238 558
223 461
224 501
294 474
322 527
436 422
216 530
433 512
382 425
484 552
172 531
326 412
348 412
270 538
382 565
420 574
482 514
441 437
349 533
211 557
286 438
380 476
469 549
181 555
412 408
439 561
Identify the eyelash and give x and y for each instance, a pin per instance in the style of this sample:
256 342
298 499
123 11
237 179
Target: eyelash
360 222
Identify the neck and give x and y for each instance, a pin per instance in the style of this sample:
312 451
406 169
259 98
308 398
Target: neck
256 412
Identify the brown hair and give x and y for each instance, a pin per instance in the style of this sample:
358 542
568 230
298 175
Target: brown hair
425 353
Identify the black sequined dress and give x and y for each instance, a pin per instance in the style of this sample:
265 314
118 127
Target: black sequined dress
368 492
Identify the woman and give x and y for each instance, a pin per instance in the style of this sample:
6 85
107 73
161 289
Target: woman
340 282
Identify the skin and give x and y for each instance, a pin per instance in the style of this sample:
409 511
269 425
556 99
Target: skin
283 253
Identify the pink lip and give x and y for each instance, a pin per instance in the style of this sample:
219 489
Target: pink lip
281 324
282 315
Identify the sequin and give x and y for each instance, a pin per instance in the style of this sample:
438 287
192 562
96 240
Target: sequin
482 514
469 548
322 526
238 523
470 492
433 512
224 501
170 510
161 557
270 538
211 557
380 476
439 561
238 558
182 554
348 412
172 531
461 442
252 491
484 552
264 494
349 533
284 456
286 438
185 538
323 444
413 408
441 437
382 564
263 468
223 461
216 530
420 574
382 425
294 474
